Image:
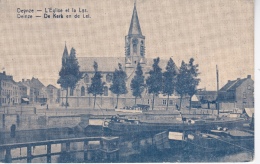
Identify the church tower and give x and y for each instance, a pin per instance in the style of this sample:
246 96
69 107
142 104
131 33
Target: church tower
134 43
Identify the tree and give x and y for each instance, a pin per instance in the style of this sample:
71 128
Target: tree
118 85
154 80
182 81
97 86
169 80
69 73
137 83
193 80
187 80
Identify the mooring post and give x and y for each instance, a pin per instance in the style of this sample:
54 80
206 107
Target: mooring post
18 120
102 147
67 147
117 152
29 154
86 150
48 153
8 156
3 121
67 153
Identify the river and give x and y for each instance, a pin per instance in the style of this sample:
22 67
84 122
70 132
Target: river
133 150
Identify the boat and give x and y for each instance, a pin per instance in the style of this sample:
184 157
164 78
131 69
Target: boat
138 108
129 110
241 138
213 141
201 143
136 125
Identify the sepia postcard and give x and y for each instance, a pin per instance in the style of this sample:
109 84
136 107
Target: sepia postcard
127 81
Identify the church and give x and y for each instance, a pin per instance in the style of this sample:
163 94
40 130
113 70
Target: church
134 53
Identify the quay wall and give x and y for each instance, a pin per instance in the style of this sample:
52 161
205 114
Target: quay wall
36 135
32 121
110 102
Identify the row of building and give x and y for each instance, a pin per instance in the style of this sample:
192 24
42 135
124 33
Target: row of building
237 93
28 91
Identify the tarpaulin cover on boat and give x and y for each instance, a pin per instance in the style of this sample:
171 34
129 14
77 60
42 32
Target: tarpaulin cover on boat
175 136
249 111
25 99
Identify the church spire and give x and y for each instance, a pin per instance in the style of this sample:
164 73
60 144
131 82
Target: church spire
135 28
65 54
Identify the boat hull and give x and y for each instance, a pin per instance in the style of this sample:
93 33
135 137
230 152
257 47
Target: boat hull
159 127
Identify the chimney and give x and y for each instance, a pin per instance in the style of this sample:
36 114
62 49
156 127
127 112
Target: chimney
4 73
249 76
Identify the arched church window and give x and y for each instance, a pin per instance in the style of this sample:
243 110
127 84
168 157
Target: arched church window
108 78
82 91
105 91
135 42
86 78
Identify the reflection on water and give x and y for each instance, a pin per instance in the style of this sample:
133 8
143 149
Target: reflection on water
133 150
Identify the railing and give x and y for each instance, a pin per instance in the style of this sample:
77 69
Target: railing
108 146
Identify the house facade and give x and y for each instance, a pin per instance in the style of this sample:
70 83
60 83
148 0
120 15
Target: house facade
237 93
35 90
52 94
9 90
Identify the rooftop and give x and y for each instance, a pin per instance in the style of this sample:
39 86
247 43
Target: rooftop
232 85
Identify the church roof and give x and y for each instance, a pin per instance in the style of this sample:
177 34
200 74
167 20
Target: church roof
105 64
109 64
135 28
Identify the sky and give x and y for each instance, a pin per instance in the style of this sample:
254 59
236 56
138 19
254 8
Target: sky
213 32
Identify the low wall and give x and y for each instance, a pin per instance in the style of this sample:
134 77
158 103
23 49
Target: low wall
36 135
26 122
63 121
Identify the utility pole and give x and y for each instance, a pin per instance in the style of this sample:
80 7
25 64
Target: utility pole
217 89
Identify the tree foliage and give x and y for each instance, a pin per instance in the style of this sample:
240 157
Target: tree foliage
97 86
182 81
118 85
137 83
154 80
69 73
187 79
169 79
193 79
